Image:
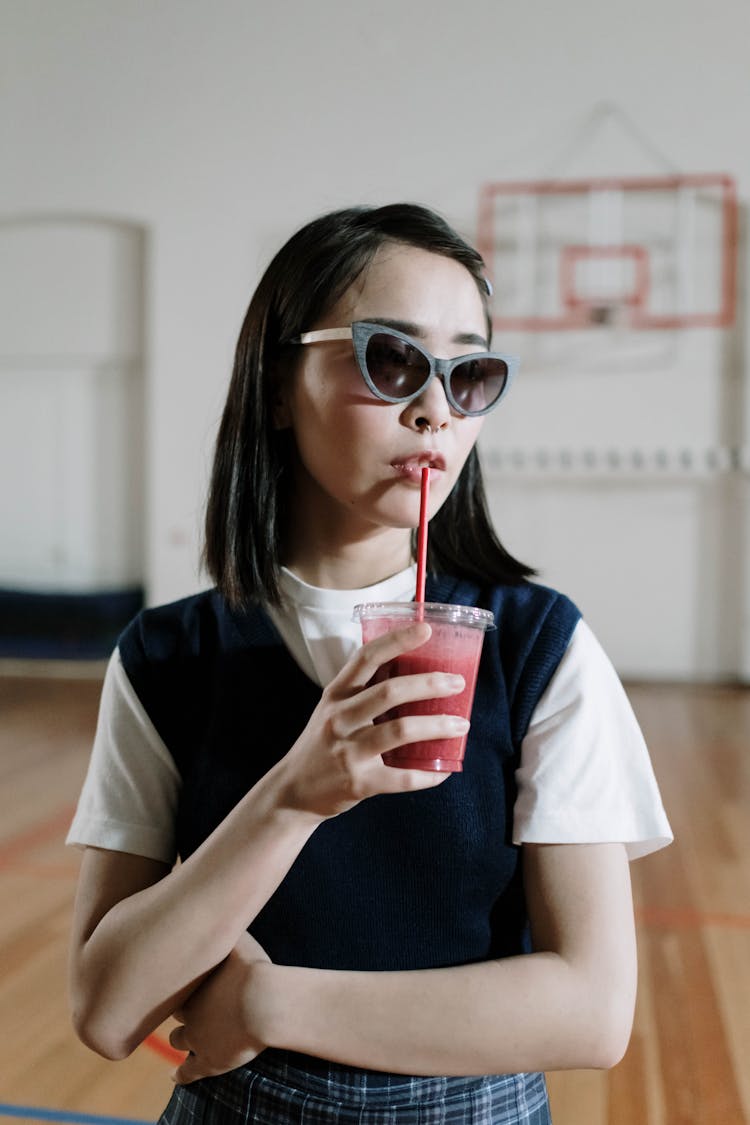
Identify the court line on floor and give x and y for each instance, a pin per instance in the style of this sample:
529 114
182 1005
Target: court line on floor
40 1113
682 918
161 1047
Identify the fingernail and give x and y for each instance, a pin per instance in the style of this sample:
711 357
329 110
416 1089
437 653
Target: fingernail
460 724
456 681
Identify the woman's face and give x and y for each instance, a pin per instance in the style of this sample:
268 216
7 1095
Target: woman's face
359 459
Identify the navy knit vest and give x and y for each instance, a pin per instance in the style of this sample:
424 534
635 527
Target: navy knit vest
417 880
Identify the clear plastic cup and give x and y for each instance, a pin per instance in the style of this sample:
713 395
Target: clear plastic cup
455 646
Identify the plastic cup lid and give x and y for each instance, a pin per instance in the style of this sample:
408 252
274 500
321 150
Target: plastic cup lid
439 612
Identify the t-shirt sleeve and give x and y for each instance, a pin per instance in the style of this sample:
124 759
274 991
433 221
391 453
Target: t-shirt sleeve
585 774
129 798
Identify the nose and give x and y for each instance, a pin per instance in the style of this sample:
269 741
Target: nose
429 411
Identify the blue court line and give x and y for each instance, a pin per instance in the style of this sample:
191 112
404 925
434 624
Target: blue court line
42 1114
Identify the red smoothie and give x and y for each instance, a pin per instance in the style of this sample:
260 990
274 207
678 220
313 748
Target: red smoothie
455 647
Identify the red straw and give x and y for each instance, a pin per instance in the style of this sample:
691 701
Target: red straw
422 534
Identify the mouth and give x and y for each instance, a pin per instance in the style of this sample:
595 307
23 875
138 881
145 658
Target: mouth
412 466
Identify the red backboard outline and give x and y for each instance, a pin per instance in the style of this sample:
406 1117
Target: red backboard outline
586 307
576 316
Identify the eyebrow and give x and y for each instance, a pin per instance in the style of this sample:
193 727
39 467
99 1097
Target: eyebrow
409 328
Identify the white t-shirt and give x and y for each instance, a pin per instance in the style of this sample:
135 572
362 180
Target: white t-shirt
584 777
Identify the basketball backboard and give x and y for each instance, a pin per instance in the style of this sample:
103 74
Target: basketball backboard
647 252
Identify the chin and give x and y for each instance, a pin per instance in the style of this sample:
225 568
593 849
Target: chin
405 519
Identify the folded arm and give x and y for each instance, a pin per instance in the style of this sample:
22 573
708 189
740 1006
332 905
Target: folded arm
569 1004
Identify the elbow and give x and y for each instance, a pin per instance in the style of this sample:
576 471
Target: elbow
611 1024
99 1036
102 1043
608 1052
96 1019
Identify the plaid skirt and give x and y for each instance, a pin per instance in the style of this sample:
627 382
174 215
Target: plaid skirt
281 1088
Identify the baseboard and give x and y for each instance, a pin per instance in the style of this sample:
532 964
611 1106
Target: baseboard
63 625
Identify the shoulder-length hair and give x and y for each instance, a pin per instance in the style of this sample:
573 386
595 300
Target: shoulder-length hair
244 529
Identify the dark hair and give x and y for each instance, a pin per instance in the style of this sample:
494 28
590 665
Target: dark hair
251 471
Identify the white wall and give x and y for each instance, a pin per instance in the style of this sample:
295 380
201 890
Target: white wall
221 125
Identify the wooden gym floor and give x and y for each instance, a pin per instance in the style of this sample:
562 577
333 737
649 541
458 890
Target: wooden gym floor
689 1058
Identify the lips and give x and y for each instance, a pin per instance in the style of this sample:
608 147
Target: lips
426 459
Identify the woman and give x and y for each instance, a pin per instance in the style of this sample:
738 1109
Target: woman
342 939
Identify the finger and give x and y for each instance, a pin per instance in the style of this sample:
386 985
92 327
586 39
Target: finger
412 687
359 671
190 1071
407 781
178 1039
381 776
376 776
388 694
402 731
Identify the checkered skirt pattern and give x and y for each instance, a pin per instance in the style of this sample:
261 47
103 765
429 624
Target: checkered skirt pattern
275 1091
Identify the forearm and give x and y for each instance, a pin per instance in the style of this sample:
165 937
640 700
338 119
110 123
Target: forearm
151 948
569 1004
531 1012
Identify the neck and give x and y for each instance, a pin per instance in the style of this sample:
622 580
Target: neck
350 565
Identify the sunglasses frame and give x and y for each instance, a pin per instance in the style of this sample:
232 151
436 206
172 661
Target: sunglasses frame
361 332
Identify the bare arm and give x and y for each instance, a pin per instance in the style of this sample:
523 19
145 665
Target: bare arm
567 1004
144 937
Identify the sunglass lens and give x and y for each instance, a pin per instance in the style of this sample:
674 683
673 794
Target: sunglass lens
397 369
478 383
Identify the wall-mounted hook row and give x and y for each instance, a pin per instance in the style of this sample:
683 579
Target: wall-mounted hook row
590 461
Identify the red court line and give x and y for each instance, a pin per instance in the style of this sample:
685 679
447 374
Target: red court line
55 827
161 1047
681 918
